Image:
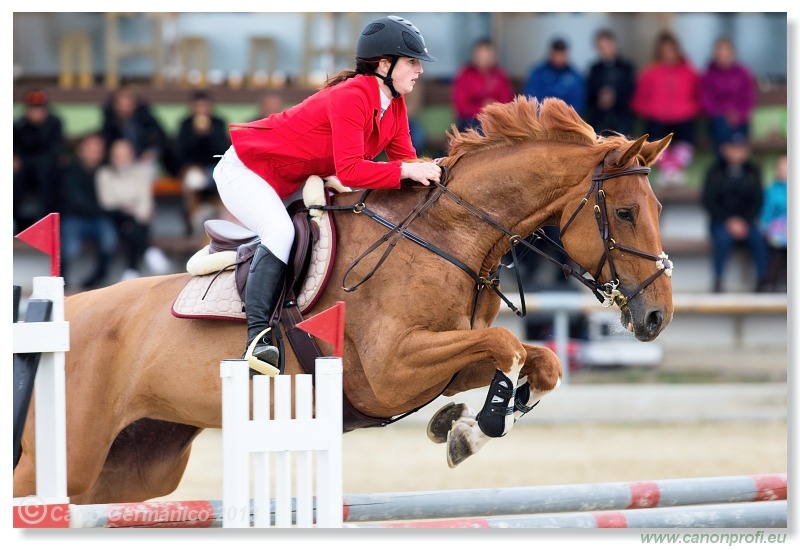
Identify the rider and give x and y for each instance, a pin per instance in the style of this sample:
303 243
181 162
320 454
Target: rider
336 131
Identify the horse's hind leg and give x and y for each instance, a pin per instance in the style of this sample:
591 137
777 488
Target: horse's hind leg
25 471
86 450
146 460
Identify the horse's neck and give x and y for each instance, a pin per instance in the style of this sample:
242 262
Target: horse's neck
520 196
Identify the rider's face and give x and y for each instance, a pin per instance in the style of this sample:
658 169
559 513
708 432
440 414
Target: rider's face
405 73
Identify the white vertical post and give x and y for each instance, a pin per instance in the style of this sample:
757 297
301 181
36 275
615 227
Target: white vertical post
561 337
330 498
235 456
304 490
283 457
261 462
50 407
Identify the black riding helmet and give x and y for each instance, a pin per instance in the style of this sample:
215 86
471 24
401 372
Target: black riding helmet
392 37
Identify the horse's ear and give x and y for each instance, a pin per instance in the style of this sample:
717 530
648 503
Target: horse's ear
632 151
651 151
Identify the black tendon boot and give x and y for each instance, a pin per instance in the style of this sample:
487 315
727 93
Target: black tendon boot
262 290
496 416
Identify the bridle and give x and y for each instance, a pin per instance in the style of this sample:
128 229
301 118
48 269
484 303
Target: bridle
607 293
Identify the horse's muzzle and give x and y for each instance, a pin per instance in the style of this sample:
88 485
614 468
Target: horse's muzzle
645 323
654 322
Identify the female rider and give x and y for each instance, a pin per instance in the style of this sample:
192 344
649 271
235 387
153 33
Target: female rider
337 131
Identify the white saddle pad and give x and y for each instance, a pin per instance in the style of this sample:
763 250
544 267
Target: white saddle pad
212 294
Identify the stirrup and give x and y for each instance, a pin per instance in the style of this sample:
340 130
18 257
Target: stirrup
257 364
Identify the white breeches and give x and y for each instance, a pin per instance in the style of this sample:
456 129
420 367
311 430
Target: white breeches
255 204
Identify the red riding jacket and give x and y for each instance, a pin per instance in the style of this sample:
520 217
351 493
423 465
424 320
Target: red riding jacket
336 131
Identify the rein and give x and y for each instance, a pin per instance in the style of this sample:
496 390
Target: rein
607 293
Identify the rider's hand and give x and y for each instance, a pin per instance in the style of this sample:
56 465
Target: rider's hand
422 172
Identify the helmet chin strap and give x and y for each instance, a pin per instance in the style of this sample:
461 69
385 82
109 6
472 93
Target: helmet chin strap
388 78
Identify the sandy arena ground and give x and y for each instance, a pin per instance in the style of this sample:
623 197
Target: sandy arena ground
400 457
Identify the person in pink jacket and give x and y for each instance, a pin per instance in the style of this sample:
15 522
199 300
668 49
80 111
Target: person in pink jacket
727 94
337 131
667 97
480 82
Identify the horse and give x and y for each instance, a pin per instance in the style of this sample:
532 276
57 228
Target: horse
141 383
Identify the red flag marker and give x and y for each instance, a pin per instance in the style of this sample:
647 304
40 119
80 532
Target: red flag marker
44 235
328 326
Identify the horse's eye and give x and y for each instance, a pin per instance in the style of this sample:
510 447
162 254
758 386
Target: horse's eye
624 215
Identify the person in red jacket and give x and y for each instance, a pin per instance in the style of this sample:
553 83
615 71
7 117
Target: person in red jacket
667 97
336 131
480 82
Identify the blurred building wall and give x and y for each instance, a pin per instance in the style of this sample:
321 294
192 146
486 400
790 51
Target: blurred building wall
523 38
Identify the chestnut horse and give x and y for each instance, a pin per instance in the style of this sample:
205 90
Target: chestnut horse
141 383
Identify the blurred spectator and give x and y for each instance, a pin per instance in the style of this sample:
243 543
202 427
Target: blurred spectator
480 82
127 116
773 224
555 77
537 273
610 87
727 94
83 220
201 135
667 97
271 103
125 187
419 138
733 196
38 145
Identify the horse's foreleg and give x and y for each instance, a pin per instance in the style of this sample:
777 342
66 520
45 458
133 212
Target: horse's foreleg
540 375
494 354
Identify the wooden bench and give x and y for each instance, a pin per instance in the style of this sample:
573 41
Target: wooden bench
167 186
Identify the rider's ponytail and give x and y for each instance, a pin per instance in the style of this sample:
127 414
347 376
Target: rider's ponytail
363 66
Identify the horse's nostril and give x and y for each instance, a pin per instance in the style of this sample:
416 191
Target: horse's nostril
654 320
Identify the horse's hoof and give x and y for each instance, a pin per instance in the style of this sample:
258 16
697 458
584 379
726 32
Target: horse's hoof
442 420
460 443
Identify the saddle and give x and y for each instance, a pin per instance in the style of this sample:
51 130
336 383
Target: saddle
220 270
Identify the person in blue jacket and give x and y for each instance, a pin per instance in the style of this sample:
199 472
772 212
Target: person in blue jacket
773 222
555 77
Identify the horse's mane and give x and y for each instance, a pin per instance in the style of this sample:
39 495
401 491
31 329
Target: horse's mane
524 120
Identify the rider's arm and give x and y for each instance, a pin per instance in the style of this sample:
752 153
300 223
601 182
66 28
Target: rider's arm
350 113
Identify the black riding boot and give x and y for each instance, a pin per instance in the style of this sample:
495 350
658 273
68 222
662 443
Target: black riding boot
262 290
